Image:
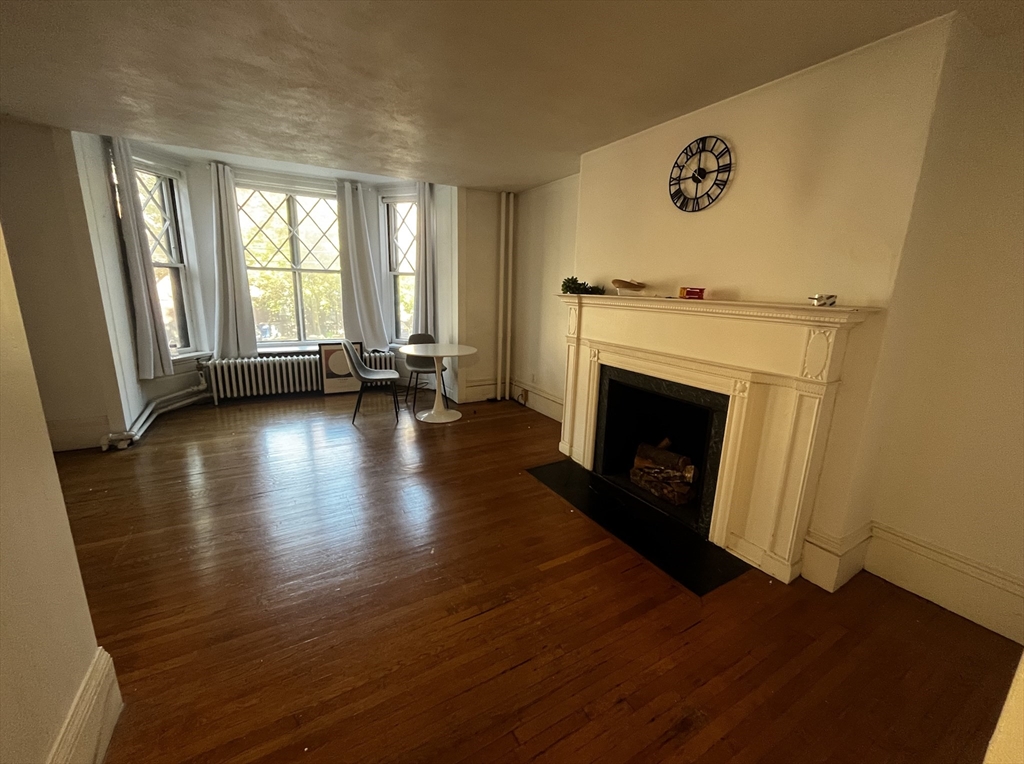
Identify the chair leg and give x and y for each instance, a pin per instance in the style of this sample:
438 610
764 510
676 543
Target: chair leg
415 390
444 392
408 386
359 400
394 396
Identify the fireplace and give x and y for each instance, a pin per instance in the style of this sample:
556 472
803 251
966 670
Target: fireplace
781 494
664 420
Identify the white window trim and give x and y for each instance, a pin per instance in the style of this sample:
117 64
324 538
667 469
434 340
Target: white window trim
390 194
291 186
148 158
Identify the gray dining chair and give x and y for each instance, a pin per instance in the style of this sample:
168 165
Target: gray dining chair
369 377
419 366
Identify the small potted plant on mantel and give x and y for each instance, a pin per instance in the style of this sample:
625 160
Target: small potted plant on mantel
572 285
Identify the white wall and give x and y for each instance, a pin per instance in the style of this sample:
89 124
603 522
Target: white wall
947 420
827 161
47 644
41 206
478 241
545 252
446 215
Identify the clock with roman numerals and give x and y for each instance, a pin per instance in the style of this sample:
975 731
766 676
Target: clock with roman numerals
700 174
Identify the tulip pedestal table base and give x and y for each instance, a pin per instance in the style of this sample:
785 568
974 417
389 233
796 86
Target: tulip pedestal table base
438 351
439 414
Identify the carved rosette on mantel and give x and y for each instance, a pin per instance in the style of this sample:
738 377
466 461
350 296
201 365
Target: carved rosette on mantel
780 364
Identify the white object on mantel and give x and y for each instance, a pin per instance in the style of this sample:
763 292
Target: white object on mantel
780 364
629 287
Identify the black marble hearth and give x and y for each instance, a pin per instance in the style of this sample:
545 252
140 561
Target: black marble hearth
635 408
667 542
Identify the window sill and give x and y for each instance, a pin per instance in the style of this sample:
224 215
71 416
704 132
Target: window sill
187 361
192 354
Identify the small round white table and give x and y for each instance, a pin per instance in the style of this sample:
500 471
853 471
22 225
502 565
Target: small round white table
438 351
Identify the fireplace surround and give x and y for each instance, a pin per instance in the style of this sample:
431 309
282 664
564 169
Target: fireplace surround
779 366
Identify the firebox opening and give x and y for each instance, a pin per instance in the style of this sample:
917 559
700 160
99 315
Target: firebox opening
668 435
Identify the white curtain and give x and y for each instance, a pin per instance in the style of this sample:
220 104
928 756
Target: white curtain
360 275
152 353
424 312
235 330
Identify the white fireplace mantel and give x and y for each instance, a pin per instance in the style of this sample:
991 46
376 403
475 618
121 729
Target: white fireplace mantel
777 312
781 365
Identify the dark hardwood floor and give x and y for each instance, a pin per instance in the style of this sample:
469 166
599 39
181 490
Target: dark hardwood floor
276 584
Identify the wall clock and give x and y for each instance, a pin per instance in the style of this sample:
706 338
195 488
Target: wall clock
700 174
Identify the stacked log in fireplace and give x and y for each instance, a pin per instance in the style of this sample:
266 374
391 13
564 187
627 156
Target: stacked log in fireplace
666 474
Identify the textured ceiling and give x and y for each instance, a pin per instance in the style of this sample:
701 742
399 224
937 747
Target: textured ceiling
490 95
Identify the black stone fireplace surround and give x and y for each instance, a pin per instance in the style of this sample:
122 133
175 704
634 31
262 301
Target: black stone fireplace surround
635 408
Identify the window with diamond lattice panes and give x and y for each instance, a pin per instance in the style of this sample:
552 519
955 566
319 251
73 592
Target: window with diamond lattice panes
158 196
402 252
293 260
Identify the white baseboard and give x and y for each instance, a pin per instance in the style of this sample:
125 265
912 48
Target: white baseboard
976 591
85 734
540 401
969 588
783 570
830 561
476 390
762 559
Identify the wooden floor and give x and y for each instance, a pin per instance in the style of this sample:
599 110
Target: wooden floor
275 584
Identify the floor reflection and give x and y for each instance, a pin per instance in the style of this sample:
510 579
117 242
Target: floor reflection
322 499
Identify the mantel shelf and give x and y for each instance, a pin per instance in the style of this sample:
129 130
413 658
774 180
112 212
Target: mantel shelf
755 311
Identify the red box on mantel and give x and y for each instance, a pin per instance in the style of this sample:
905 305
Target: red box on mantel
692 293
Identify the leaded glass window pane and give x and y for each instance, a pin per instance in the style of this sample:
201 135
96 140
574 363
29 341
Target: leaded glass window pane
293 258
